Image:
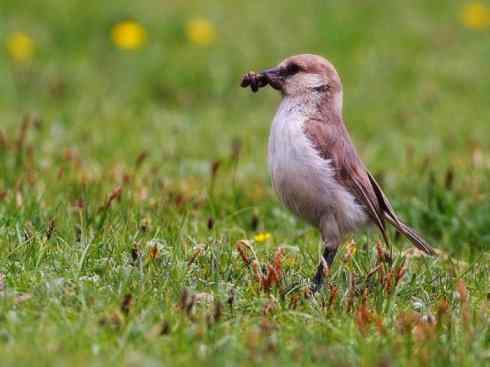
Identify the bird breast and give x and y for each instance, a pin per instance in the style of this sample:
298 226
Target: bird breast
304 181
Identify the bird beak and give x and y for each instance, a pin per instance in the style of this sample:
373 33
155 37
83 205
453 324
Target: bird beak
273 77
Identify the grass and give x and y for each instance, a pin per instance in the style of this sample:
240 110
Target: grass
130 180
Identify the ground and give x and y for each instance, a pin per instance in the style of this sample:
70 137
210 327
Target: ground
138 226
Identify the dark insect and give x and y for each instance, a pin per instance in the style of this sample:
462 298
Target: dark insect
254 80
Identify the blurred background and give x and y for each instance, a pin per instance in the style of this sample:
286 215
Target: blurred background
110 81
133 175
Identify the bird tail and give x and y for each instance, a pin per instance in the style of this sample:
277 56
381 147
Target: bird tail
411 234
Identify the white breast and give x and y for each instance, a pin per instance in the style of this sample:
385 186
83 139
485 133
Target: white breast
303 180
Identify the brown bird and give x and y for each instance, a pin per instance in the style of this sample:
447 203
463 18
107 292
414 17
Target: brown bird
315 169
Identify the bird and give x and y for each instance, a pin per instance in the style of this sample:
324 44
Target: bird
314 166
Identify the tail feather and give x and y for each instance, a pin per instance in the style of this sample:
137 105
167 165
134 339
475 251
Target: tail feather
411 234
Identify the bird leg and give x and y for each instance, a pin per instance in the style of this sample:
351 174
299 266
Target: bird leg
323 267
331 241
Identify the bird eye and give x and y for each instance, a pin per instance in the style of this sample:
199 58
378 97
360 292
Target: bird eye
292 68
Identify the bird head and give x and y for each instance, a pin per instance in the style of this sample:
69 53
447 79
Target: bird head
298 75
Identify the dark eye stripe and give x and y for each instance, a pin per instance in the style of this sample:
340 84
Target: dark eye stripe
292 68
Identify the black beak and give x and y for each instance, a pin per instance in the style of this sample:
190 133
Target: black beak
273 77
270 73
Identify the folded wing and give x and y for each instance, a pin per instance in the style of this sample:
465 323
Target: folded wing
330 138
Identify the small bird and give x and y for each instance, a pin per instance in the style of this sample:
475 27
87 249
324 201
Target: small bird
314 166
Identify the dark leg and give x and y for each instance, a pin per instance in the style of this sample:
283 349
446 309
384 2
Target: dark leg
328 256
331 240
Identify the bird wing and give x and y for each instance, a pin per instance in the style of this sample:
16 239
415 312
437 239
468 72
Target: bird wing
332 141
390 215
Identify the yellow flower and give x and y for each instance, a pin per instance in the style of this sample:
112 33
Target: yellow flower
129 35
200 31
476 16
262 236
20 47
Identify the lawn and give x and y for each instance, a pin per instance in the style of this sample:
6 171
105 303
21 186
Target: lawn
138 226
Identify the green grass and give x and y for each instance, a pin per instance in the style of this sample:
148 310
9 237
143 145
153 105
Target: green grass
89 281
